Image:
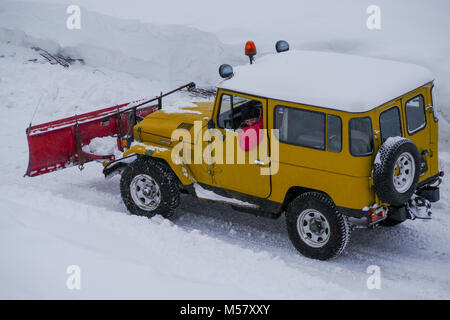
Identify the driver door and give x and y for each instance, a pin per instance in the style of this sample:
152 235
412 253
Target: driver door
232 173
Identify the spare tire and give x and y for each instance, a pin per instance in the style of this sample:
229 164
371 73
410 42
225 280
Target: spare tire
396 170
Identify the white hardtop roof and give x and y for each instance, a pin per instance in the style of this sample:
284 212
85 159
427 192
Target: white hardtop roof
330 80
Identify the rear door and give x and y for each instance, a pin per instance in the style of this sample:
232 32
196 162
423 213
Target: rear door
416 124
389 122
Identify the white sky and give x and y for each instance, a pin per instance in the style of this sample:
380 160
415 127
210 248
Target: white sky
264 21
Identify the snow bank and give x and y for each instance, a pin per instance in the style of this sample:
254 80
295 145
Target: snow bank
21 39
172 53
63 91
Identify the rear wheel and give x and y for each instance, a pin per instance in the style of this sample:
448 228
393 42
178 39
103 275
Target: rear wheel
316 228
149 187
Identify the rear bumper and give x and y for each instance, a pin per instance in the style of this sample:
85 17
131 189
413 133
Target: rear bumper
429 188
427 191
431 181
432 194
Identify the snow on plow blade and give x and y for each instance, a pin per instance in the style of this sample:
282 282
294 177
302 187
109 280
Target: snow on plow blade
58 144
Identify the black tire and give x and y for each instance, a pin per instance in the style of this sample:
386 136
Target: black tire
164 178
384 170
338 233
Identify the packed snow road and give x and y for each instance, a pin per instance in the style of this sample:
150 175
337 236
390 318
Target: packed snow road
208 251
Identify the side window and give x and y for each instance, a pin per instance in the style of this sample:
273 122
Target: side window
225 118
234 110
300 127
334 133
415 114
361 139
390 123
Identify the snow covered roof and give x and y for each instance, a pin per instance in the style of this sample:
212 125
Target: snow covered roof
331 80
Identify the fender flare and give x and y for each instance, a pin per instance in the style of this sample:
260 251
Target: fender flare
182 172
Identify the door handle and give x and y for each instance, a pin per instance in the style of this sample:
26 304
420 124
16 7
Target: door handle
376 133
260 163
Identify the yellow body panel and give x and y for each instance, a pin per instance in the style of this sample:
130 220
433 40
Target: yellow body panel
340 175
345 178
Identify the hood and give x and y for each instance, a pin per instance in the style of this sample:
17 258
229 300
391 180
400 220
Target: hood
163 122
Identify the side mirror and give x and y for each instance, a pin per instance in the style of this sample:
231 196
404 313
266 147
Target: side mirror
211 124
226 71
282 46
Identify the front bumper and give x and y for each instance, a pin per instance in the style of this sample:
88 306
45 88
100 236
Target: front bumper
118 166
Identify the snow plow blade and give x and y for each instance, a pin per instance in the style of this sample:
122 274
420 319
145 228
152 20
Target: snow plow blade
59 144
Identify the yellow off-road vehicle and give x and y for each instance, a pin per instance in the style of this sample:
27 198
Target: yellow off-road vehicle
342 141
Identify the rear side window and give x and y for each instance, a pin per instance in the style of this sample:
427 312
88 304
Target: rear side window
390 123
361 139
415 114
300 127
334 133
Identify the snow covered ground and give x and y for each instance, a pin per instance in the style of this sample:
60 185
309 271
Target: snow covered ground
209 251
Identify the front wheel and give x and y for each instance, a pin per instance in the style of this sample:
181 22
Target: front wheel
316 228
149 187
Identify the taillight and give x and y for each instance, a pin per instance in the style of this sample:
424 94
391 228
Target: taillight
377 214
